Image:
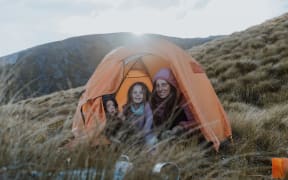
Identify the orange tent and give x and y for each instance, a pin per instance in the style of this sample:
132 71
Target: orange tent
143 59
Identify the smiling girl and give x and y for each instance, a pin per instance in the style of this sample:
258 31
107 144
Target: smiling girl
137 111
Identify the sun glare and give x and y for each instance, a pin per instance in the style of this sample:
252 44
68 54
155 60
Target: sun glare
138 33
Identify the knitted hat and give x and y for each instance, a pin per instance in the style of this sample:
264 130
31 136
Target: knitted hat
167 75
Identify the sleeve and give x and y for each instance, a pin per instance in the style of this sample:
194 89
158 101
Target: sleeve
190 121
147 129
148 118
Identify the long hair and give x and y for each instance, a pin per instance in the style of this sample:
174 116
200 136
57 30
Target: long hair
163 109
146 93
109 97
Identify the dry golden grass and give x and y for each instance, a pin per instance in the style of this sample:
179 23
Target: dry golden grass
32 139
242 61
248 70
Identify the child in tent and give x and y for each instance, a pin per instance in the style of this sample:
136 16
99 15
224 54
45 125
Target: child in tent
138 113
110 105
113 123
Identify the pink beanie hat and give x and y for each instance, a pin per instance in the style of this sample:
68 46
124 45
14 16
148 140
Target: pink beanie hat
167 75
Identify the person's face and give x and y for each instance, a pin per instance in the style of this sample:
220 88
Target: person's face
137 94
110 106
163 88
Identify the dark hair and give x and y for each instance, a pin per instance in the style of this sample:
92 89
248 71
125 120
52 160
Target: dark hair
169 105
145 91
109 97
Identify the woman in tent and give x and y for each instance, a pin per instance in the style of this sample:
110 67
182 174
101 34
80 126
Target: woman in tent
138 113
171 114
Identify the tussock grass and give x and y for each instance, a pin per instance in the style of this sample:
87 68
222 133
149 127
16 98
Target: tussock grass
34 143
247 69
249 66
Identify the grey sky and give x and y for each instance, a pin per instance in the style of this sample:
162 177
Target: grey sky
27 23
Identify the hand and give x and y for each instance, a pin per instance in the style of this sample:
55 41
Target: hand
177 130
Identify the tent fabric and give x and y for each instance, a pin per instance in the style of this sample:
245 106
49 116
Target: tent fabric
149 56
132 77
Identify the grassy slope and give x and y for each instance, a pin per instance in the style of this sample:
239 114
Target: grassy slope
249 66
238 65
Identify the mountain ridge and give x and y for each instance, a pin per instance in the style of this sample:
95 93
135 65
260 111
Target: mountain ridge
65 64
249 71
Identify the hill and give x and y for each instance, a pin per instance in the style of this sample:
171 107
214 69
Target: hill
248 70
64 64
249 66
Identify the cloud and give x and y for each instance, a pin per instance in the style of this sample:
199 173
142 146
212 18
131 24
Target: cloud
25 23
187 19
201 4
16 37
139 16
159 4
137 20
